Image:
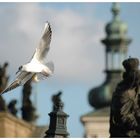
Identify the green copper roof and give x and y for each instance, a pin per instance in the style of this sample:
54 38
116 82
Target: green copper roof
101 96
116 28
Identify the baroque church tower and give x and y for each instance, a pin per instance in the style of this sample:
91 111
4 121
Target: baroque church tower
116 43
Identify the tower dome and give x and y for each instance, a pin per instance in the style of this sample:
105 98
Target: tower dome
116 28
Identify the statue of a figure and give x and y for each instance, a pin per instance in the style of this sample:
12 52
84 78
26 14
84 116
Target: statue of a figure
28 110
125 107
12 107
58 119
57 103
3 77
3 83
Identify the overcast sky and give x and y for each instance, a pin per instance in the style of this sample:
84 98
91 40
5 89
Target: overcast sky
76 51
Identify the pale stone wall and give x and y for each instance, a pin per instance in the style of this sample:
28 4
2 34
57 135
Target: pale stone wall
96 126
12 127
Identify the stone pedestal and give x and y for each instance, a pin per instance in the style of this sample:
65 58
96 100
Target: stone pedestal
96 123
12 127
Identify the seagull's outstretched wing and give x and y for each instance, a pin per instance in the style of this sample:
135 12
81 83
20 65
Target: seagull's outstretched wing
21 79
44 44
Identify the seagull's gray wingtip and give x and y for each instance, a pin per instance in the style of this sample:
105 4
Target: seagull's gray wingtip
2 92
47 22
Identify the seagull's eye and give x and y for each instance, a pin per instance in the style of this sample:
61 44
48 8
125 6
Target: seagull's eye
20 67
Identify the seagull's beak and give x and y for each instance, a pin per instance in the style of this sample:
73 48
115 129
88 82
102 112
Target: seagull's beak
17 72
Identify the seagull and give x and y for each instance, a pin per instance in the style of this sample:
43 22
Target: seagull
36 69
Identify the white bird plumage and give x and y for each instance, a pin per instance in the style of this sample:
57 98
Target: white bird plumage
36 69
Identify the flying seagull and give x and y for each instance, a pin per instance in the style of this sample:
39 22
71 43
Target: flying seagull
36 69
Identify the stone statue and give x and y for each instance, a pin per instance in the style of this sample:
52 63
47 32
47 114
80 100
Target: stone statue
58 119
57 103
28 110
125 106
12 107
3 83
3 77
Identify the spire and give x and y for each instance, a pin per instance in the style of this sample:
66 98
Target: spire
116 29
115 10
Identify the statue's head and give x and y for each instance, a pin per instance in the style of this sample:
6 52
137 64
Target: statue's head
132 72
5 64
14 101
131 64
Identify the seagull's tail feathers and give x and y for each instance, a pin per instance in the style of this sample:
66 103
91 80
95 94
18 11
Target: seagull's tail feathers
50 65
43 75
38 77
